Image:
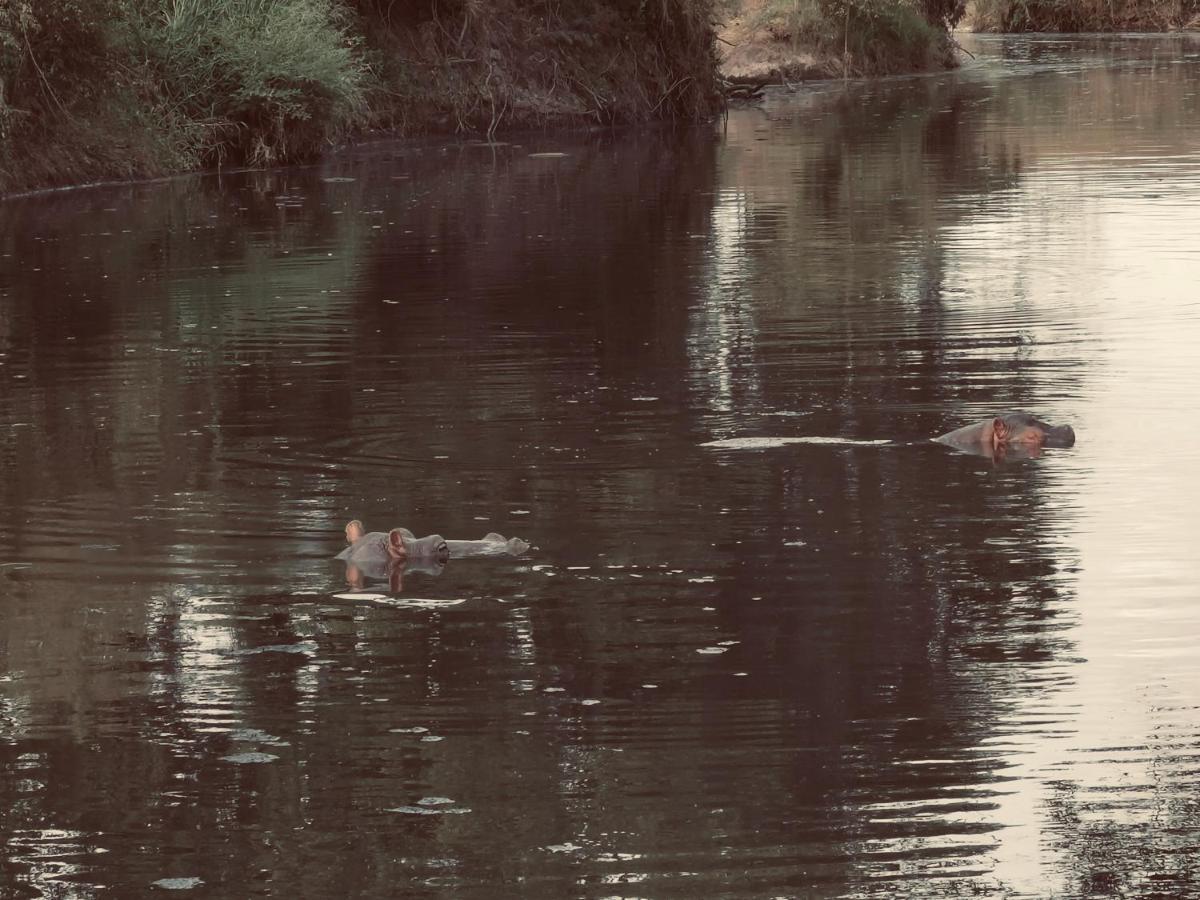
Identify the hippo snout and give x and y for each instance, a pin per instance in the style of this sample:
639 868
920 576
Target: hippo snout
1060 436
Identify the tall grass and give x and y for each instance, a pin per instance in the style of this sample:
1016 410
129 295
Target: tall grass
1084 15
866 37
271 80
52 51
75 103
121 88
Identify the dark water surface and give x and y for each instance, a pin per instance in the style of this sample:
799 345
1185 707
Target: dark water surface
813 670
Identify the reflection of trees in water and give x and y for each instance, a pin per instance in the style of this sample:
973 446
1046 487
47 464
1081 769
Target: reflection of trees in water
147 319
858 200
553 292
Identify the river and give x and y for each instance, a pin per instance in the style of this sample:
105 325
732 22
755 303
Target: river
863 665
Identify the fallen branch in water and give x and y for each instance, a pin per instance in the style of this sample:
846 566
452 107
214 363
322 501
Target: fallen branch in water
731 90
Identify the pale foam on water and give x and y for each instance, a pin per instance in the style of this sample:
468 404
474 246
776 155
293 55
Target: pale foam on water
252 756
177 884
764 443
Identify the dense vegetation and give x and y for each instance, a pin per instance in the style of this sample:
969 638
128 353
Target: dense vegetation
125 88
1084 15
482 64
862 37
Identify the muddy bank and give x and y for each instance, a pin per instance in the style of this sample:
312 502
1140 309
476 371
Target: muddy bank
483 69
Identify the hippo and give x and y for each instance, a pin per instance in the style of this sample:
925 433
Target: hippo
1017 433
385 554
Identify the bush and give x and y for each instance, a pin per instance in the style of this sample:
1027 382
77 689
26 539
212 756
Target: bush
882 36
271 80
98 89
53 52
1083 15
867 37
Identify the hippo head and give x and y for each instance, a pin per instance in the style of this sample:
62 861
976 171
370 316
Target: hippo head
404 545
1023 430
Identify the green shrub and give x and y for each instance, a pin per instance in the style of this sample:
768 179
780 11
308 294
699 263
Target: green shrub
1083 15
53 52
271 80
883 36
97 89
866 37
789 19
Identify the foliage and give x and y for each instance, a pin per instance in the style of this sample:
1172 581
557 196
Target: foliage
866 37
54 50
271 79
944 13
69 100
119 88
1084 15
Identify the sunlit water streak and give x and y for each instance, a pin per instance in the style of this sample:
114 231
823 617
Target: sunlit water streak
770 641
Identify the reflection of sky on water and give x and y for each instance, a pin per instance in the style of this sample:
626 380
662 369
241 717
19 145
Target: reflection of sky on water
57 858
1098 268
722 330
205 685
1082 272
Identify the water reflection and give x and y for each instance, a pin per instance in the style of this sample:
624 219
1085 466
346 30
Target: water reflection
823 657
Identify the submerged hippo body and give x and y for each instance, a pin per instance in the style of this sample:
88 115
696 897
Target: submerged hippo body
1012 432
376 553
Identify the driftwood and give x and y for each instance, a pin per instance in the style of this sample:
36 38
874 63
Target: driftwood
742 90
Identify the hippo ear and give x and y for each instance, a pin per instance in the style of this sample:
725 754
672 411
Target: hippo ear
999 429
396 543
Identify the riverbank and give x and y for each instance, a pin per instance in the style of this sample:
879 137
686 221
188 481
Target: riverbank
96 90
103 90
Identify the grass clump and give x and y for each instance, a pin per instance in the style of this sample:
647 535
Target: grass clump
270 80
113 89
103 89
856 38
74 105
1069 16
